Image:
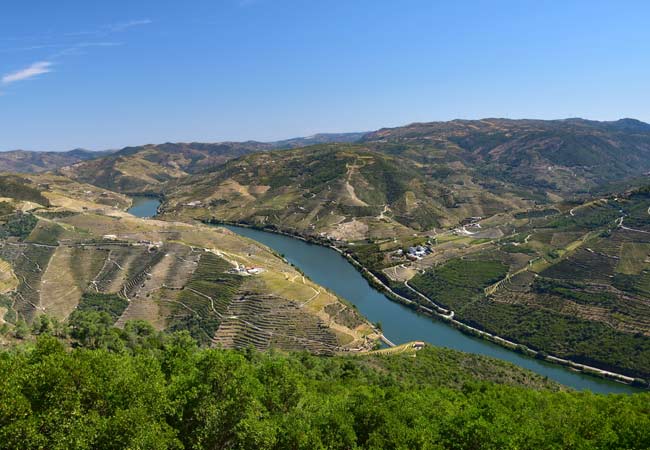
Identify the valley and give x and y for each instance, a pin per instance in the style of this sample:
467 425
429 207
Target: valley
273 225
491 242
449 217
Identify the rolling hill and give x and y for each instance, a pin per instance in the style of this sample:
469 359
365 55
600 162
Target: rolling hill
418 178
558 157
23 161
346 191
68 252
145 169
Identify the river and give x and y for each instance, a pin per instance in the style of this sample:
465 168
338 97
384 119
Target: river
400 324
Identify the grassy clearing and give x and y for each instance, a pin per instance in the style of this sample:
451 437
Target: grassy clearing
634 258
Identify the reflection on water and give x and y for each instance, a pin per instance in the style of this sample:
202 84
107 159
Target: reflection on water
144 206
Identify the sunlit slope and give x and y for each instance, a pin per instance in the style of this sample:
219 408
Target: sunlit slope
85 255
572 282
146 168
34 161
345 191
557 157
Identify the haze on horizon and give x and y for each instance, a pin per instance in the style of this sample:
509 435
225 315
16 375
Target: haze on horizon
98 76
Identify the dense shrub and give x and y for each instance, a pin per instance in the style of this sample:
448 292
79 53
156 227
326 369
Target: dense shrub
174 396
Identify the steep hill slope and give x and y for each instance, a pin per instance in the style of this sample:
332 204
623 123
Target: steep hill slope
64 258
342 190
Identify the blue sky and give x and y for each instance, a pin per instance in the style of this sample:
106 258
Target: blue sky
114 73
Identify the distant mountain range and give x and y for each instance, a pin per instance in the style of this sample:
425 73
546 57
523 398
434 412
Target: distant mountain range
422 175
31 162
201 154
563 156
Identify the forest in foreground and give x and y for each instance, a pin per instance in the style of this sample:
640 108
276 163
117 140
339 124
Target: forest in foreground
141 389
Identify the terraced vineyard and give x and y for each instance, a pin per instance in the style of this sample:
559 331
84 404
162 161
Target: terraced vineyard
264 321
202 304
62 263
29 263
574 285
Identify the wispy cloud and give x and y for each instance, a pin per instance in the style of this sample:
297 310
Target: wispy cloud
35 69
126 25
64 48
98 37
116 27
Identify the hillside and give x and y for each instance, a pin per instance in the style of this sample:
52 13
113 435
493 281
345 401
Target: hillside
145 169
422 176
561 157
345 191
511 239
22 161
567 280
70 260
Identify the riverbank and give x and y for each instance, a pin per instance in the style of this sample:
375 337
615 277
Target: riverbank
445 315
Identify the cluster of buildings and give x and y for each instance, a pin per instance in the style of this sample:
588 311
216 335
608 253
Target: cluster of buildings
417 252
241 269
414 253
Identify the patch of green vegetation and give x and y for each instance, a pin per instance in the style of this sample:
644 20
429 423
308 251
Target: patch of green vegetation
588 218
584 341
388 178
19 225
369 255
574 292
112 304
47 233
536 213
6 208
459 281
161 392
633 258
511 248
57 214
10 315
638 284
19 189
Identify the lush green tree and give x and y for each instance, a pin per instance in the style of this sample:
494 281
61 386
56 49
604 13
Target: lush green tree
161 391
